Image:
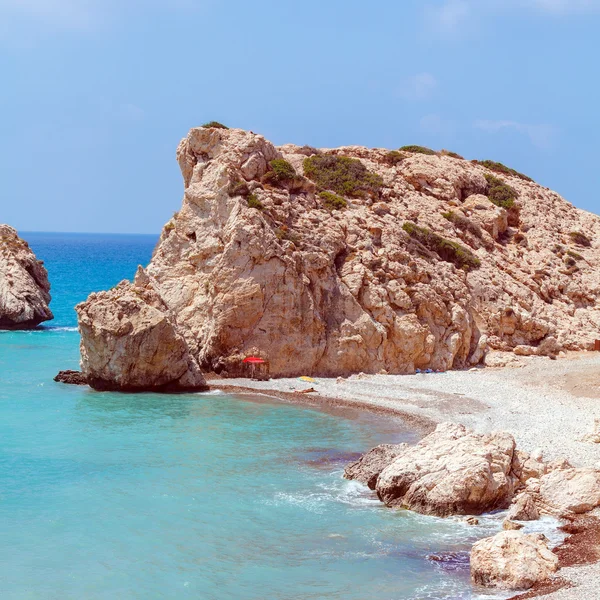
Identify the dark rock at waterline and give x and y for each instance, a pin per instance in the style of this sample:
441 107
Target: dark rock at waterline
368 467
451 561
71 377
329 457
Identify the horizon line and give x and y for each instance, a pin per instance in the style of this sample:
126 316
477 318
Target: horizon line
23 231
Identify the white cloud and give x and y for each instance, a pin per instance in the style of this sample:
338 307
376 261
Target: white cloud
61 14
567 6
541 136
449 16
418 87
24 22
434 124
131 112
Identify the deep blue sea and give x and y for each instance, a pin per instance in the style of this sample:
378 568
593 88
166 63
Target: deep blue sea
107 496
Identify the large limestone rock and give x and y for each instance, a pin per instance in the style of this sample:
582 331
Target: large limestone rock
512 560
249 264
570 490
129 342
452 471
24 286
370 465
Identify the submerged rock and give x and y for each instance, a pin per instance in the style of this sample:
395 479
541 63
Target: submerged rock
512 560
368 467
24 286
452 471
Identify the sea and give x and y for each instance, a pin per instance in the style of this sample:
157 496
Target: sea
111 496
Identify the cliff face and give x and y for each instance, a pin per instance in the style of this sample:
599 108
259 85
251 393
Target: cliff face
419 269
24 286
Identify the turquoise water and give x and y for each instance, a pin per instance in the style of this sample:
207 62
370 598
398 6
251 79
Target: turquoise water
205 496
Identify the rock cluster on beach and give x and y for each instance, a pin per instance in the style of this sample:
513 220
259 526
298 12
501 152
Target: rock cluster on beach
361 260
24 286
455 471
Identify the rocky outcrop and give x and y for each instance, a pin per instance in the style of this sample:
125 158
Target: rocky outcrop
24 286
130 342
512 560
523 508
413 268
568 491
452 471
370 465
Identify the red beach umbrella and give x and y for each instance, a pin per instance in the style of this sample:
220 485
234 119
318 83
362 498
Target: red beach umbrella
255 360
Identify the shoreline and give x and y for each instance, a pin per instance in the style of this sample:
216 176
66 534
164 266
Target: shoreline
423 425
543 404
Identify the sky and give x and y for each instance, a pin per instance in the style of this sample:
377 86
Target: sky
96 94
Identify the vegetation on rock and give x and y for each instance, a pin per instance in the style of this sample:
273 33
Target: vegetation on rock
463 223
238 188
580 238
344 175
452 154
447 250
332 201
394 157
214 125
283 233
254 202
500 193
500 168
418 150
281 173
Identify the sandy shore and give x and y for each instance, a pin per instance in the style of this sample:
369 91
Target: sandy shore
544 404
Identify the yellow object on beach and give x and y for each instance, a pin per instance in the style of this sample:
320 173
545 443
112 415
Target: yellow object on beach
305 378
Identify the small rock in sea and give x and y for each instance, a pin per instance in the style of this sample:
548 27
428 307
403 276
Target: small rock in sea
71 377
471 521
509 525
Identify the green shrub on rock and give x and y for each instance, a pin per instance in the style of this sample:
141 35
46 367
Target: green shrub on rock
452 154
500 193
344 175
500 168
418 150
281 173
447 250
394 157
463 223
254 202
332 201
574 255
214 125
580 239
238 188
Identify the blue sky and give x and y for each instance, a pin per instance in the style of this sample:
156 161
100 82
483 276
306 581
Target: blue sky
96 94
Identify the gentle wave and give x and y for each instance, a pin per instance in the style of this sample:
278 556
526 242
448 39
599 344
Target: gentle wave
38 330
